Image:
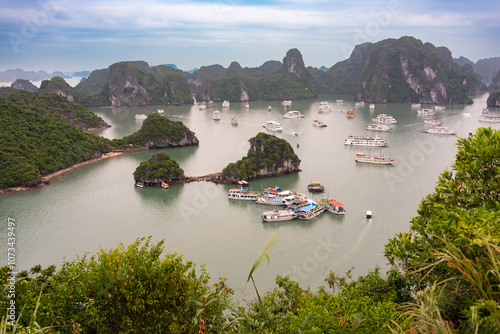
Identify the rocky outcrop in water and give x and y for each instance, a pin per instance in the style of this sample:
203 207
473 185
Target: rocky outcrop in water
494 100
160 168
268 156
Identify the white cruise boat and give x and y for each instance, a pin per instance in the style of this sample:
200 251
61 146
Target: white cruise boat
365 141
161 111
203 106
433 122
247 106
287 103
374 159
339 101
269 108
293 114
359 103
372 106
384 119
278 215
234 120
140 116
325 107
485 111
426 112
273 126
489 118
216 115
318 123
243 194
439 107
225 104
440 130
416 105
378 127
334 206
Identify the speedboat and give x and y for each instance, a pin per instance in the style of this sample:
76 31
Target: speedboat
273 126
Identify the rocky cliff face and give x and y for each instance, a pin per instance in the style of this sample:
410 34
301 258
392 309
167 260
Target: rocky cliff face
24 85
268 156
406 70
294 64
494 100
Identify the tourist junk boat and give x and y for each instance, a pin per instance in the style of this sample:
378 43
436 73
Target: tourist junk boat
384 119
350 113
293 114
324 107
374 159
425 112
333 206
339 101
165 185
315 187
243 194
161 111
278 215
216 115
318 123
203 106
225 104
140 116
440 130
359 103
287 103
273 126
234 120
434 122
372 106
365 141
378 127
140 184
416 105
439 107
489 118
311 210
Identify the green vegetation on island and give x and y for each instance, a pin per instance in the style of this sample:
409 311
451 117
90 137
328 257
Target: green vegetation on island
160 168
159 132
268 155
36 140
444 279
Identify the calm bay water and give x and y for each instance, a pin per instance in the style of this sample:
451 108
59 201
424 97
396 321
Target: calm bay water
98 205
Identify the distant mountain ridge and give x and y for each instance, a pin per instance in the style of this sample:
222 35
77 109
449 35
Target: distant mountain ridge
13 75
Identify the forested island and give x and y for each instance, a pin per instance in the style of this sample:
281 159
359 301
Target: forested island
159 169
444 277
42 133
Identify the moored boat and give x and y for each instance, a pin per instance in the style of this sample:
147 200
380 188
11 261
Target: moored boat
374 159
439 107
161 111
165 185
434 122
293 114
384 119
273 126
140 116
333 206
216 115
440 130
425 112
318 123
378 127
489 118
364 141
278 215
243 194
140 184
311 210
315 187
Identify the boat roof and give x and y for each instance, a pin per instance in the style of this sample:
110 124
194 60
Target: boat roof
238 190
308 207
334 202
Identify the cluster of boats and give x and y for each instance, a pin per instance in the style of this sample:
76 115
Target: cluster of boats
295 205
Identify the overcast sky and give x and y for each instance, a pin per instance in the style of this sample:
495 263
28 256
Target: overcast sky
70 35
